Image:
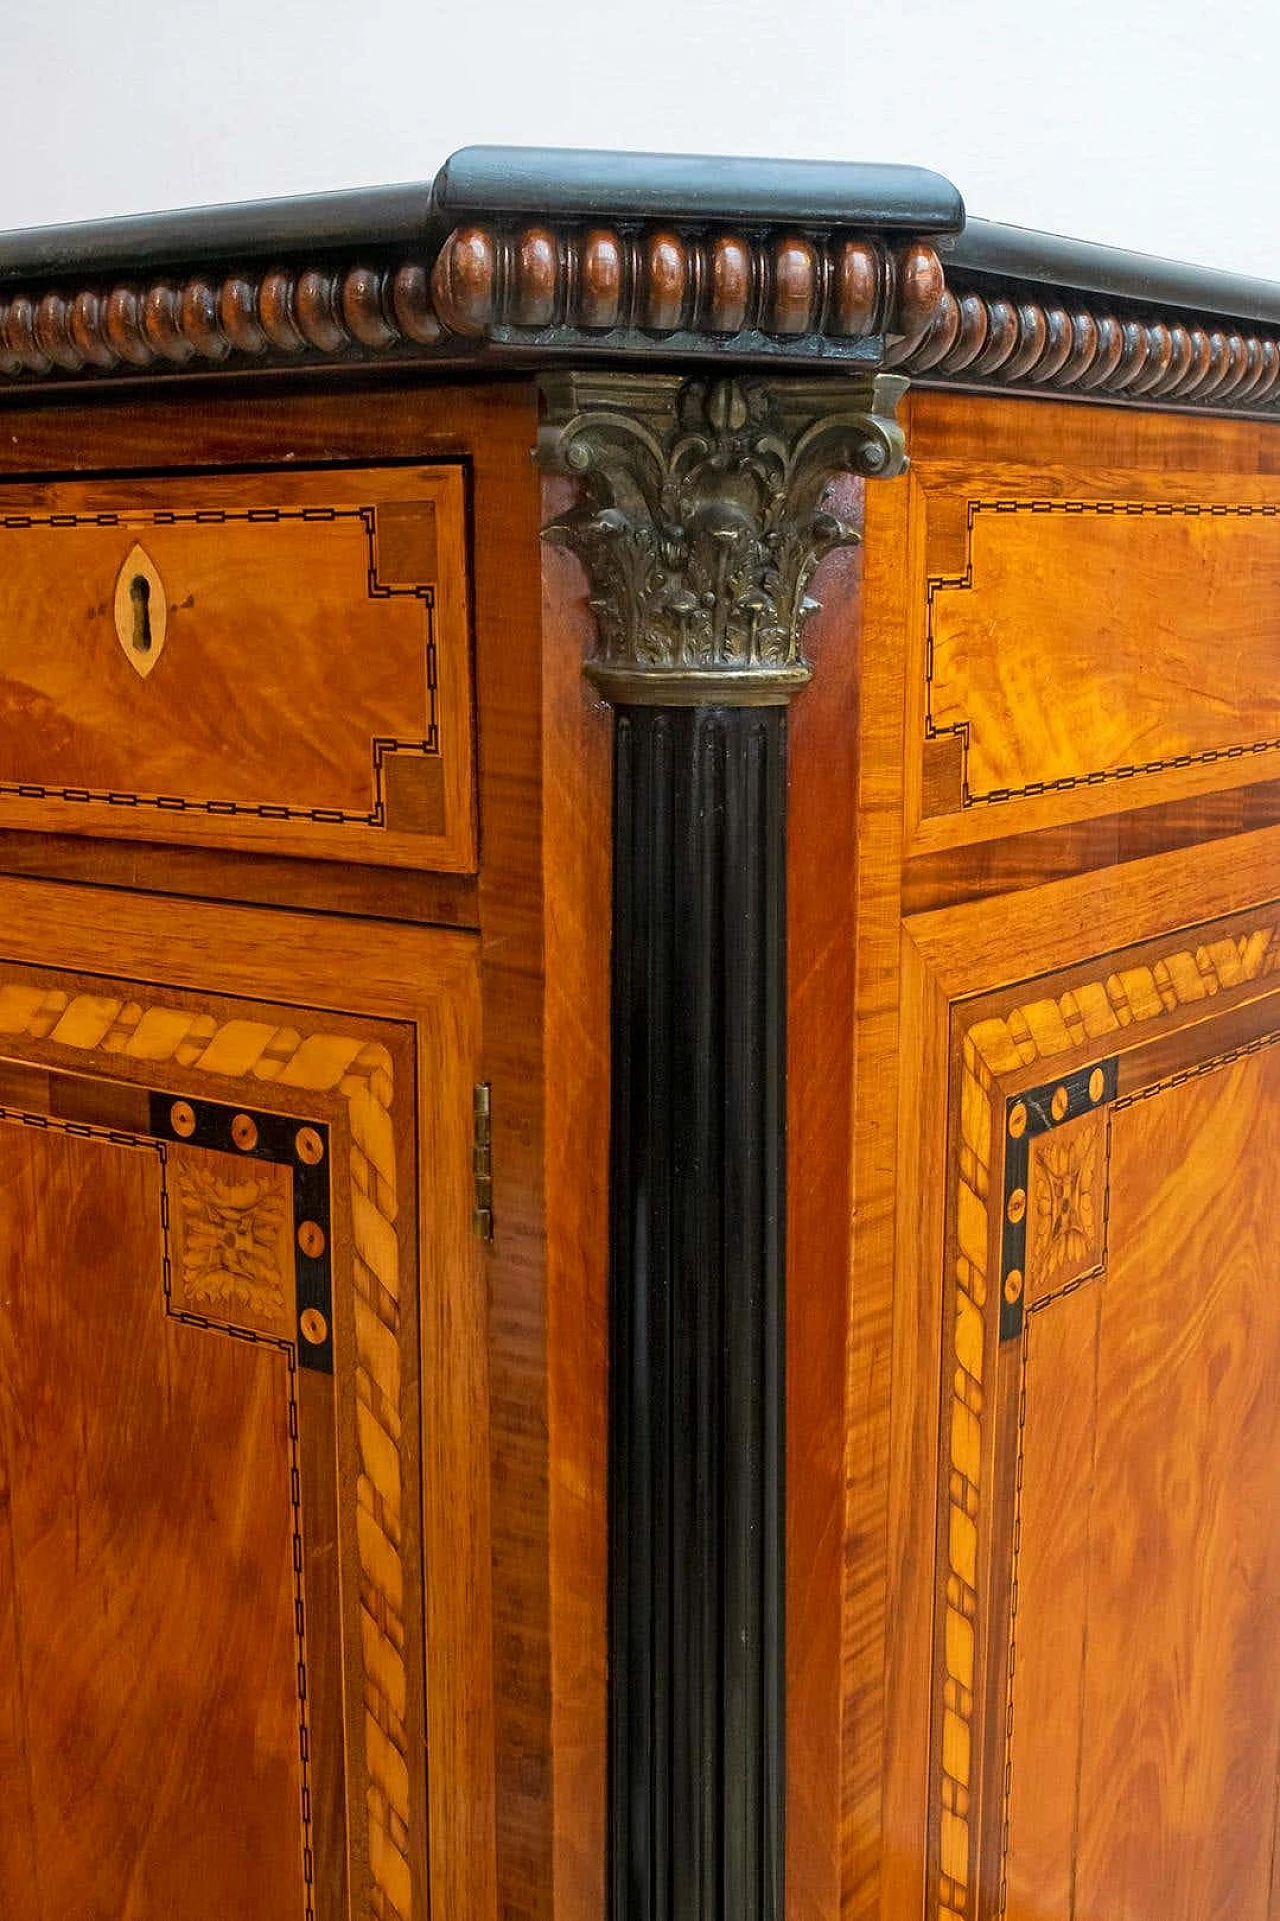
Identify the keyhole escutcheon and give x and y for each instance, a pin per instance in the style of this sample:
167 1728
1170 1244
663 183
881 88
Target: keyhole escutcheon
141 611
140 596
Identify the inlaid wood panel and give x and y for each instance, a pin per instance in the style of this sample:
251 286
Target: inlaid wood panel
155 1724
267 661
1089 621
214 1441
1104 1694
1043 647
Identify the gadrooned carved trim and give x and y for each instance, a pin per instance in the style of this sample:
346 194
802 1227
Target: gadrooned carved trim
818 292
700 520
288 311
995 340
771 294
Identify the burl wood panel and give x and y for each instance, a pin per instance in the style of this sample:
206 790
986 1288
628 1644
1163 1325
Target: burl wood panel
275 661
150 1716
1091 618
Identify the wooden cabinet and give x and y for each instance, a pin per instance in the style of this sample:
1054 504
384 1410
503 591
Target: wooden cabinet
639 858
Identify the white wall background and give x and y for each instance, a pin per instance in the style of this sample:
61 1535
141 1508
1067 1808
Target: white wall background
1151 125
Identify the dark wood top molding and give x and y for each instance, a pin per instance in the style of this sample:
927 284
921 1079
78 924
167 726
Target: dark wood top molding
594 185
137 244
527 256
988 249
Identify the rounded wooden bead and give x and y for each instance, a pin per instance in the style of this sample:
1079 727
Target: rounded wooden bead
1252 369
465 280
238 312
275 312
1132 358
362 308
123 323
200 320
1081 353
665 277
1033 337
10 362
1002 337
600 274
730 284
857 289
162 323
971 335
537 278
20 336
795 286
87 330
920 287
1237 366
53 334
316 311
1219 364
1159 359
940 335
1110 345
1269 378
1201 361
411 304
1058 341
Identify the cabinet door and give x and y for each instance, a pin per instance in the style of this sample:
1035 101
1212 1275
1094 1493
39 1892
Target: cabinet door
1090 1336
231 1228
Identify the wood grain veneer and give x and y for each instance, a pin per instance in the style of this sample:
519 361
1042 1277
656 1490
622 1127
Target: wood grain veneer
273 661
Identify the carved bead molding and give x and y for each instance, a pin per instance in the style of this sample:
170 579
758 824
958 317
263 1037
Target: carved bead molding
644 291
288 312
819 294
700 521
1026 343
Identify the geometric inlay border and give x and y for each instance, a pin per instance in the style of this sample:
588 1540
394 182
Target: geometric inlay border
994 1046
305 1059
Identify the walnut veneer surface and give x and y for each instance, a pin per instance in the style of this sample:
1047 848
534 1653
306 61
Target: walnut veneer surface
310 1490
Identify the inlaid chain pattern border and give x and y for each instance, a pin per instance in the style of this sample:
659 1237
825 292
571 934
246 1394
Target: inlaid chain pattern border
382 746
993 1047
1100 509
362 1072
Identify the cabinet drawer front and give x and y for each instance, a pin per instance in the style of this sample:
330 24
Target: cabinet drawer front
257 661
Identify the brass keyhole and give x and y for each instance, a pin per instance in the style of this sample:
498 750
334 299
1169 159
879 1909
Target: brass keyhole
140 597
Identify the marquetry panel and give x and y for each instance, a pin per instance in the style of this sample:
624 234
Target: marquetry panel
1043 646
274 661
210 1455
1088 611
1106 1676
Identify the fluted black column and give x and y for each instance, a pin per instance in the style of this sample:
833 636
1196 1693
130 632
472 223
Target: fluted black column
696 1314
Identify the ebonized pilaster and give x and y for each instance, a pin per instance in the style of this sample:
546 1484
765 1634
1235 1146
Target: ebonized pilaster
700 520
696 1329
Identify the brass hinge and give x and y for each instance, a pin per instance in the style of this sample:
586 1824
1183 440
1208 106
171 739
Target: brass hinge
482 1160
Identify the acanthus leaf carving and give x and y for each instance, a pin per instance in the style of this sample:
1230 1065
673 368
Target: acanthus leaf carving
701 522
